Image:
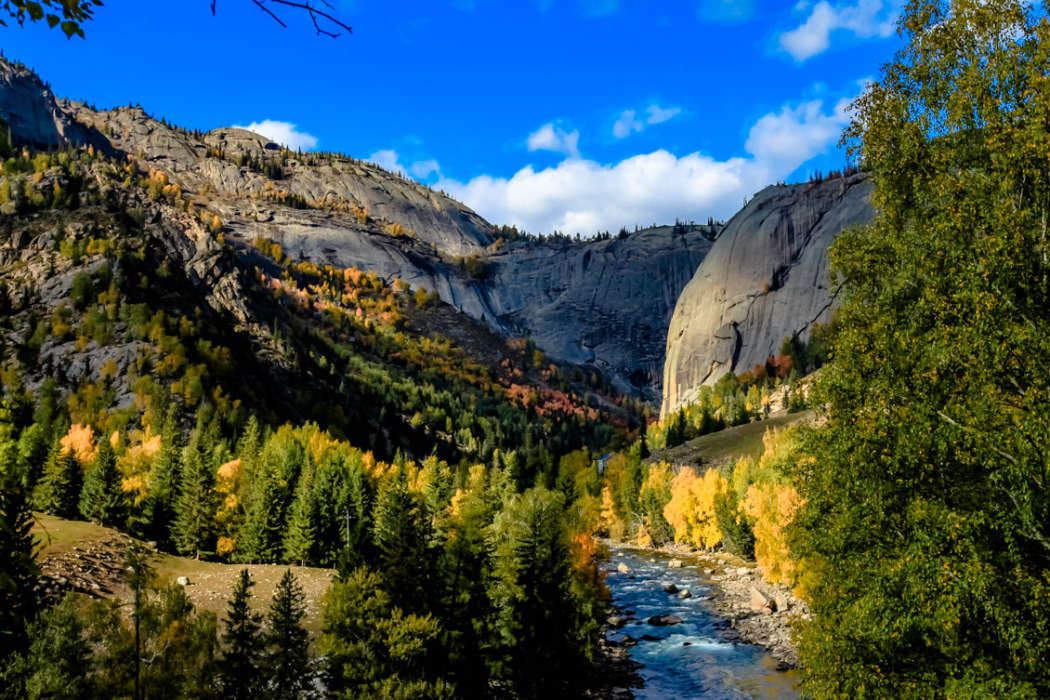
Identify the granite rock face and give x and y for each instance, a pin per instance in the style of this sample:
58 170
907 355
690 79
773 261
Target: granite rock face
33 114
766 277
606 303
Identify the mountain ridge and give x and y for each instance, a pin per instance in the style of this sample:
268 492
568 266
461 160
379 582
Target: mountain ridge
603 303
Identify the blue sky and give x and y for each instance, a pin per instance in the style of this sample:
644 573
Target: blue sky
575 115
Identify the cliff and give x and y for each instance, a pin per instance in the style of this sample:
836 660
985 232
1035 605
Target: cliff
765 278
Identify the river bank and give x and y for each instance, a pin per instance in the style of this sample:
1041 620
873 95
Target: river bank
686 631
754 610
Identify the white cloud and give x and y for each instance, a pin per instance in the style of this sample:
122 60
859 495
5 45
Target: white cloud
551 138
864 18
585 196
626 124
659 116
389 160
796 134
284 133
629 123
423 168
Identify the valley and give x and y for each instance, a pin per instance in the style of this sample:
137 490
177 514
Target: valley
279 422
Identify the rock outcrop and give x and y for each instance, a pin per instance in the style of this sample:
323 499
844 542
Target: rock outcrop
33 116
766 277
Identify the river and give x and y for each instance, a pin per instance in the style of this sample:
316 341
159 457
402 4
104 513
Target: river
692 659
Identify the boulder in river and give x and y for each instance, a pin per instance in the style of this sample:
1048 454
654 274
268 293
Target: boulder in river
664 620
670 588
623 568
685 594
674 564
616 622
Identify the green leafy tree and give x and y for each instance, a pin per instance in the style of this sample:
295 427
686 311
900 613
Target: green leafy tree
69 14
244 643
926 511
102 499
287 661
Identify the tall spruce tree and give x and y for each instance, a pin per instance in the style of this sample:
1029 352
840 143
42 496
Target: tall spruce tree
18 569
244 643
102 499
287 660
926 516
399 540
300 541
261 534
164 483
537 651
58 493
193 529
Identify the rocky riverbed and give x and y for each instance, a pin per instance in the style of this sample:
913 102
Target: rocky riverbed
690 624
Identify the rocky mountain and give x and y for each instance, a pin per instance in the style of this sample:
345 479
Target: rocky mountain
765 278
605 303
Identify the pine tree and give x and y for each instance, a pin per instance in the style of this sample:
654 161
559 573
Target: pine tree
165 479
249 447
244 643
102 499
399 540
301 540
59 491
532 592
260 541
18 569
58 664
288 660
195 507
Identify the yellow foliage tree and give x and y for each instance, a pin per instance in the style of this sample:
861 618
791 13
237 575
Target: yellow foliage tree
80 440
611 521
771 508
691 510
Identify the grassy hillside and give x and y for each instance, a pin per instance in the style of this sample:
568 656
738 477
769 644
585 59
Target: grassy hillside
727 446
85 553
